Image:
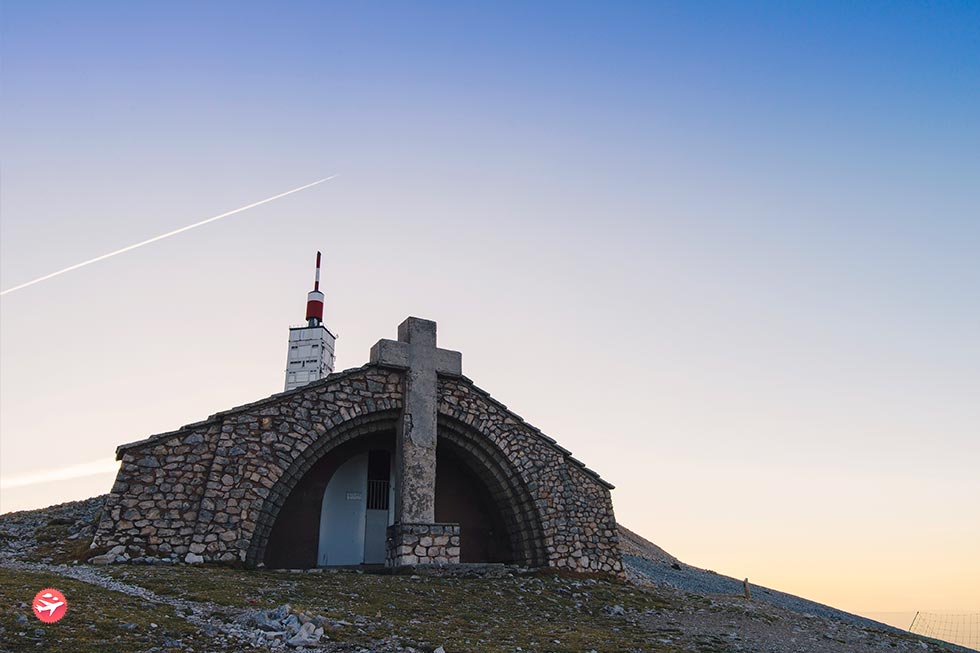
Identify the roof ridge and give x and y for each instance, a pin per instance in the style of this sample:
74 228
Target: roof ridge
220 415
241 408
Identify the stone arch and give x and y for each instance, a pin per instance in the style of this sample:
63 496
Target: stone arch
361 425
490 464
508 489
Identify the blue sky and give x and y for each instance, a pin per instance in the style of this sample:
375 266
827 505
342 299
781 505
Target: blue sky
726 253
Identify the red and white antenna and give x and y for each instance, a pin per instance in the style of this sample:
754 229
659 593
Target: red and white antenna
310 356
314 300
316 281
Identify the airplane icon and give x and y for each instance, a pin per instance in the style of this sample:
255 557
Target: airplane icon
48 606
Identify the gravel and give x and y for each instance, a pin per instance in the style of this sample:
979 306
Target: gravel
19 530
702 581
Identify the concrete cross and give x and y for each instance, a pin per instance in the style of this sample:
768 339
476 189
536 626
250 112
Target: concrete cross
415 451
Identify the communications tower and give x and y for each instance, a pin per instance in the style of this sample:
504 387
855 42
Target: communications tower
311 347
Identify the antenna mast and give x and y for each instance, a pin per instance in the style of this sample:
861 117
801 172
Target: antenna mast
311 347
314 300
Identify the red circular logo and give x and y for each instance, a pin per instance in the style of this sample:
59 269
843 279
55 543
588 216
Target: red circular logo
50 605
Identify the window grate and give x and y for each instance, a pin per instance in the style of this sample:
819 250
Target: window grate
377 496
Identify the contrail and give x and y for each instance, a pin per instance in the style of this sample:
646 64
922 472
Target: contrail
162 236
101 466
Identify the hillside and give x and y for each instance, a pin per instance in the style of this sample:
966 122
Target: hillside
175 607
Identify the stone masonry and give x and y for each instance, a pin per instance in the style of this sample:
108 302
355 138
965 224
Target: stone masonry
410 545
213 489
203 488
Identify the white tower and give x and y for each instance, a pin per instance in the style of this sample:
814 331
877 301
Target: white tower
310 355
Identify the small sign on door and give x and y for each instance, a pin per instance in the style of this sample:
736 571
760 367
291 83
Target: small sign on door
354 496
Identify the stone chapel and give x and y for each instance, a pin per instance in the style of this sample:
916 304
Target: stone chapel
403 462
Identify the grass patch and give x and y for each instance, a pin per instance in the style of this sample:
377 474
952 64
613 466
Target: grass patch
64 551
95 621
53 543
53 531
477 615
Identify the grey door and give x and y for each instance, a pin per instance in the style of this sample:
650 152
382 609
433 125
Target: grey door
378 502
342 515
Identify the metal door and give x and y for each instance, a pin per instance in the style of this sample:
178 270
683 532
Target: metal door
342 515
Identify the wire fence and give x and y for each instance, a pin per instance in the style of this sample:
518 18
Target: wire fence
961 628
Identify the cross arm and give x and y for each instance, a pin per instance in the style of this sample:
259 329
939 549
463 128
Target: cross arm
390 353
449 362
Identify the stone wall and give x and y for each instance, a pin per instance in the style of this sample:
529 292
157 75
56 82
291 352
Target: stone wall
206 488
577 524
408 545
213 489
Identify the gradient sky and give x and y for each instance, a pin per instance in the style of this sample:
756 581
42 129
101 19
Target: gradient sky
726 253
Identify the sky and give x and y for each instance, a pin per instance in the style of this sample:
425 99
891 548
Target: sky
726 253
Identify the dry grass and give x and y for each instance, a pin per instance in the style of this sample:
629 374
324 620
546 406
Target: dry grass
543 613
95 621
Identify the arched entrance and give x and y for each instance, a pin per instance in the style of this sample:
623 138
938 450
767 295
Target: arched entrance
476 487
356 511
515 511
338 511
462 498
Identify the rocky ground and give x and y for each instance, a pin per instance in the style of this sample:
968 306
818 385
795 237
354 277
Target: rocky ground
665 607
